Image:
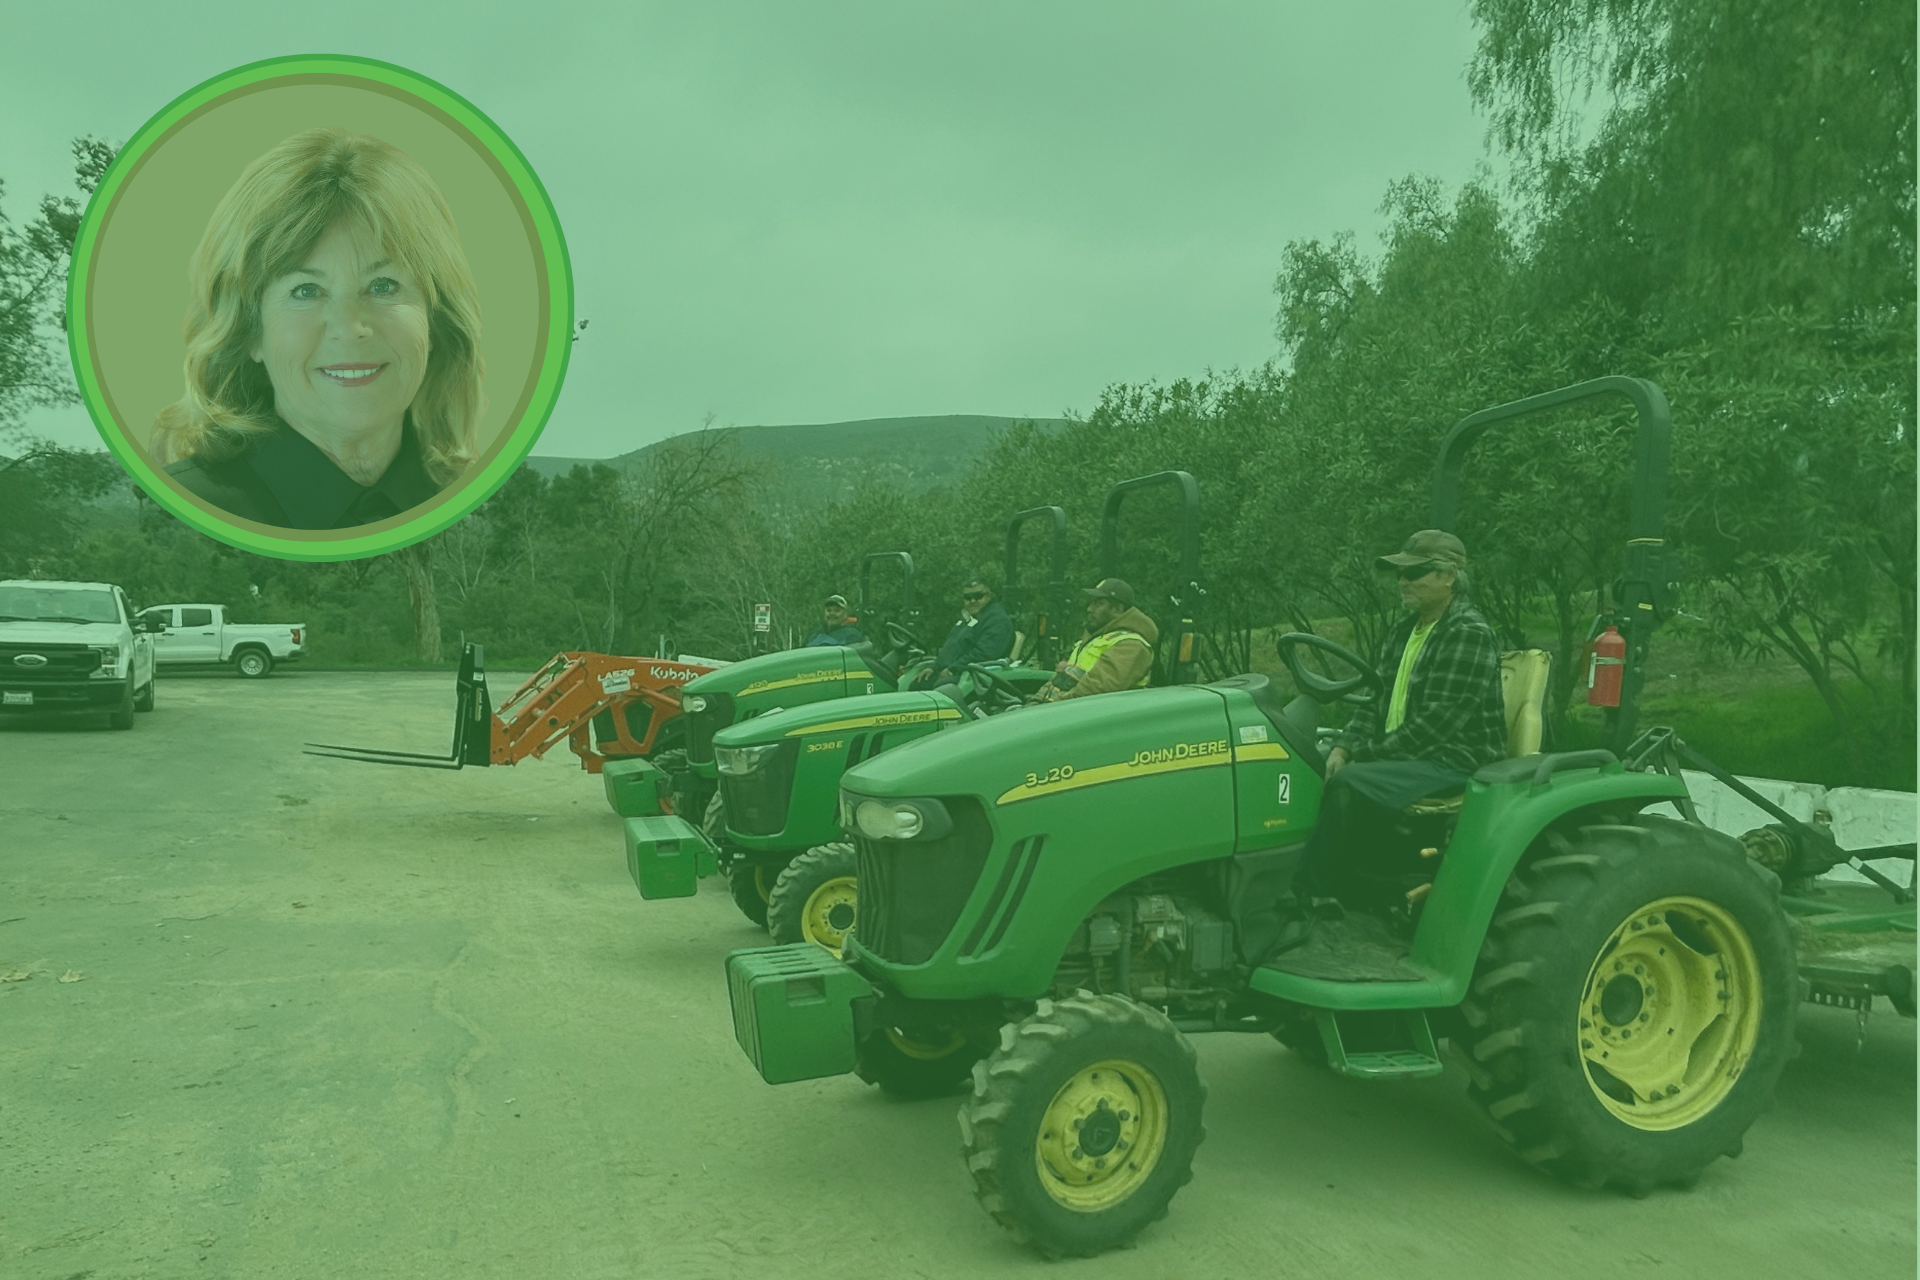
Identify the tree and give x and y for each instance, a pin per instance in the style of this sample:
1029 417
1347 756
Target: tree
33 276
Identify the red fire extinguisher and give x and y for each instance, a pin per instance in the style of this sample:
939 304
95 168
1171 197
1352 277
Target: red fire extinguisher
1604 671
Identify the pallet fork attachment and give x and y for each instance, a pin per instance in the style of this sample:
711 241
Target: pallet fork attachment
473 723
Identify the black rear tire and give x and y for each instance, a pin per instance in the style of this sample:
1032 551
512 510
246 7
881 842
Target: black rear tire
814 898
253 664
1655 927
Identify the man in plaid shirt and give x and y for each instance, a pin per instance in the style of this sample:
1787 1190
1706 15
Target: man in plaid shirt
1442 718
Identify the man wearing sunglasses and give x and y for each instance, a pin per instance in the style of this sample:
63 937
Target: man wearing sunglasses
1442 718
984 633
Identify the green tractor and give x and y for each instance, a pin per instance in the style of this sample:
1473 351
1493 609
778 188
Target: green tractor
772 822
780 773
683 847
1054 900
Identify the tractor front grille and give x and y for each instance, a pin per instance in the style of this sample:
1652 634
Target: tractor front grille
912 891
58 662
702 725
757 802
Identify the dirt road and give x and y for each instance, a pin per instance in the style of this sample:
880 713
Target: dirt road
295 1017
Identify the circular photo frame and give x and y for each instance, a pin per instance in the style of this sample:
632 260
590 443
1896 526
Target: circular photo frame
320 307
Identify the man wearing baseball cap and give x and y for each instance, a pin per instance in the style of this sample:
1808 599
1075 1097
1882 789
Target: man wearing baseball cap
1440 718
1115 653
836 625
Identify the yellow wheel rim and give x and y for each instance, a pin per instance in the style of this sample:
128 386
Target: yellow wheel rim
1670 1013
763 883
1102 1135
829 913
925 1049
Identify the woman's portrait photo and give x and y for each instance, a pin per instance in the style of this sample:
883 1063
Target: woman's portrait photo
334 374
320 308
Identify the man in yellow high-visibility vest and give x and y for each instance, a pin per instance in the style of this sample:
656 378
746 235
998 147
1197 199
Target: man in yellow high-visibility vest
1116 652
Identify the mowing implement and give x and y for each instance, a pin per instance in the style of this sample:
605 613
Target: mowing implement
1053 901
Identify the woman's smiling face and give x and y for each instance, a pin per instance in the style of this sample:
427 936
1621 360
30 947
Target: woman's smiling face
344 338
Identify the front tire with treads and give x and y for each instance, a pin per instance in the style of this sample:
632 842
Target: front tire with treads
1652 929
1083 1123
815 898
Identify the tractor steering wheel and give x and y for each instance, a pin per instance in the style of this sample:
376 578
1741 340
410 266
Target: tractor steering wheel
1317 686
903 637
997 693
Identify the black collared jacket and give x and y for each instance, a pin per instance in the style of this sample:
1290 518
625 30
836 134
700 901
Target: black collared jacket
283 479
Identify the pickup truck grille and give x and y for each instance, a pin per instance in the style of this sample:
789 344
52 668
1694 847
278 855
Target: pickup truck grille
63 662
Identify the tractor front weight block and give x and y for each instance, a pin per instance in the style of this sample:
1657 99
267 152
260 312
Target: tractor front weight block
635 787
667 856
793 1011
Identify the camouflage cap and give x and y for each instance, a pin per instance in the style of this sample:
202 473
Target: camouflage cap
1429 546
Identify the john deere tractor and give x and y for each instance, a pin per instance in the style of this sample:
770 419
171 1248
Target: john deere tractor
741 690
780 773
1053 901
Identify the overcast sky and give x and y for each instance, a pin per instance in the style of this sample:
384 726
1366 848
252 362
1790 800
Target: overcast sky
785 212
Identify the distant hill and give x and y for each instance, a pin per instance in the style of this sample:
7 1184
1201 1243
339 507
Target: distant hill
827 461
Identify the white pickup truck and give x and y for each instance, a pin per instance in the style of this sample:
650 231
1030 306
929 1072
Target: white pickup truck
73 646
200 635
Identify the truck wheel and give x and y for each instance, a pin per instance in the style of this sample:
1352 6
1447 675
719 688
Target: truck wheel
1634 1005
815 897
916 1065
1083 1123
121 717
253 663
143 701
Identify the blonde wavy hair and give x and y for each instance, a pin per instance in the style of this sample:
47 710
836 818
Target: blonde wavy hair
263 229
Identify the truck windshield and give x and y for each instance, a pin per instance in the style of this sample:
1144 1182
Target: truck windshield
21 603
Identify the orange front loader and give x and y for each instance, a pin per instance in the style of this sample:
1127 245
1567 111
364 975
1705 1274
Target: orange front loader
605 706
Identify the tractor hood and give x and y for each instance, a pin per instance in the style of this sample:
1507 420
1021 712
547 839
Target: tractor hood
1085 743
868 714
788 678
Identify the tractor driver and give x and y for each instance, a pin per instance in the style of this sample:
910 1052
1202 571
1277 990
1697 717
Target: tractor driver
836 625
1115 653
1443 718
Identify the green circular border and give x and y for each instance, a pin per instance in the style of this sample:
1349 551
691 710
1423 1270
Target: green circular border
551 244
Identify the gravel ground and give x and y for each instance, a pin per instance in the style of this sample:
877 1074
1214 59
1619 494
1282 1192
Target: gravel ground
288 1016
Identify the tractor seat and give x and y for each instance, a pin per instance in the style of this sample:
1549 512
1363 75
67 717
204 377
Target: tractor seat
1523 688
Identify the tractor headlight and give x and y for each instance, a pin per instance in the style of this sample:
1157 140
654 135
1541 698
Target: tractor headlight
693 704
109 659
742 760
899 819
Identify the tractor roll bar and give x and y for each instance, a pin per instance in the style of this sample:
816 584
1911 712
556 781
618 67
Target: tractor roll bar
1054 597
1187 591
1644 591
906 582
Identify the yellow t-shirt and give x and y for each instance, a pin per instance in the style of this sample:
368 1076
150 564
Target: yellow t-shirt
1397 705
